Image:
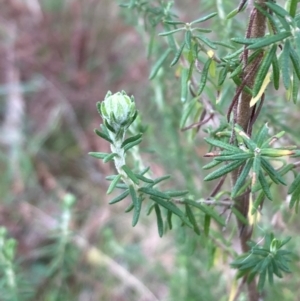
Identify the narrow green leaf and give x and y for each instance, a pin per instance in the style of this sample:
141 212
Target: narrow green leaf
178 54
222 76
204 77
263 70
129 208
150 208
120 197
258 202
103 135
144 171
285 68
137 205
260 137
122 186
206 41
130 174
171 22
169 219
294 185
109 157
234 157
108 127
239 215
275 269
154 192
246 41
258 265
212 164
282 266
276 72
192 56
277 152
255 170
160 222
264 185
131 139
274 175
151 43
260 251
204 30
278 10
170 32
270 40
284 23
158 180
192 219
207 220
189 108
104 129
270 273
176 193
172 207
98 155
144 179
224 44
188 39
238 82
297 39
296 61
276 137
223 170
207 210
266 263
222 145
237 71
293 7
295 88
241 179
159 63
111 177
247 264
232 14
285 241
184 84
132 144
113 184
170 38
202 19
234 54
246 139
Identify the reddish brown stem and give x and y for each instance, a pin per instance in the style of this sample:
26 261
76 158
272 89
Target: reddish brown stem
256 28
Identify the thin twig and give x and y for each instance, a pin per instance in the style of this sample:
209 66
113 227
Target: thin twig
250 74
217 187
197 124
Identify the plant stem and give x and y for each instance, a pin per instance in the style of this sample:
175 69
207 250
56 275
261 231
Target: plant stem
256 28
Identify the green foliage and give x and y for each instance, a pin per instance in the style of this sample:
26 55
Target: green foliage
254 154
11 288
266 261
211 72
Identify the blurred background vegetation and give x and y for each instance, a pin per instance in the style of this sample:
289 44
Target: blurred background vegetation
57 59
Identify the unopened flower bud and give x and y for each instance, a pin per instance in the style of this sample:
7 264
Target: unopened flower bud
118 110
